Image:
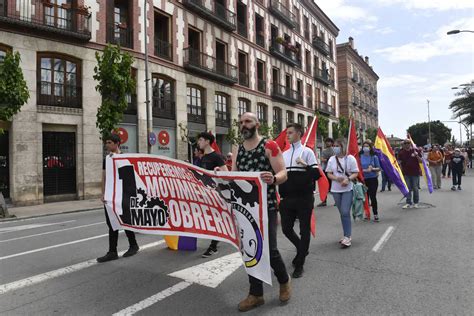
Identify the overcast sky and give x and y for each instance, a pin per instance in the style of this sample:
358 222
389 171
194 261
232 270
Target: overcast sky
408 47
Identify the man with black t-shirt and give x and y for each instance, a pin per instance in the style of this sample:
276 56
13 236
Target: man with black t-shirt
210 161
112 143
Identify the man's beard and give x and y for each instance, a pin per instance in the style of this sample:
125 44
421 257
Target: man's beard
248 133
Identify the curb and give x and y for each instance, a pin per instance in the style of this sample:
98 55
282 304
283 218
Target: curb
12 219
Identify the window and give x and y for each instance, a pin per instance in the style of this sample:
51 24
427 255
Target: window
163 97
59 81
241 19
315 31
163 46
301 119
132 97
308 61
243 71
290 117
259 30
309 93
297 17
331 50
306 27
262 114
261 82
4 49
119 28
222 114
277 120
196 111
310 120
244 106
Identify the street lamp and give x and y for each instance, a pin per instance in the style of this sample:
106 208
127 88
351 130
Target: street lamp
459 31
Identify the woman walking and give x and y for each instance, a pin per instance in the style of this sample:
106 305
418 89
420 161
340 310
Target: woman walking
371 167
342 170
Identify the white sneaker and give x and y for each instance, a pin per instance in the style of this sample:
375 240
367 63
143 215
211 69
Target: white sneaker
346 242
415 205
406 206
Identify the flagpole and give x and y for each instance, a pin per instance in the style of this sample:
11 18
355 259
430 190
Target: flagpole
310 130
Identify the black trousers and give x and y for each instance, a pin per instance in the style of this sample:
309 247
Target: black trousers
457 175
297 208
113 235
276 261
372 185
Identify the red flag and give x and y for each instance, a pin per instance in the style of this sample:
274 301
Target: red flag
313 223
282 141
214 146
309 138
353 149
323 185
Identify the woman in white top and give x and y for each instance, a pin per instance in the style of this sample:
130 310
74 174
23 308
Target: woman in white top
342 169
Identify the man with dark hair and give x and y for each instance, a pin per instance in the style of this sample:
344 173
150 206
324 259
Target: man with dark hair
112 144
297 199
210 161
257 154
325 155
410 159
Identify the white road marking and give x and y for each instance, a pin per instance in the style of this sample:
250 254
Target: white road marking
30 226
52 247
153 299
378 246
51 232
209 274
16 285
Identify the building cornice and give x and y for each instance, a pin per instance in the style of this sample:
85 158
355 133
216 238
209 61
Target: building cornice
322 17
360 60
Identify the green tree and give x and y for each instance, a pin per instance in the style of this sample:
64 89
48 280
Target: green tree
323 125
13 88
340 129
371 133
114 83
440 133
463 106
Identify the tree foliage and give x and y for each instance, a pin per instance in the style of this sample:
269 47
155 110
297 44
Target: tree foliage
463 106
371 133
13 88
115 82
440 133
323 125
340 129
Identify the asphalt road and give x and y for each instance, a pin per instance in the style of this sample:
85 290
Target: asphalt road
425 265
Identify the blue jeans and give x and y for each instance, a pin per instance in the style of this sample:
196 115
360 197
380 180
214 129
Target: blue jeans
413 183
344 202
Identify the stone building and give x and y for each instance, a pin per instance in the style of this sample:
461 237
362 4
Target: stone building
209 61
357 87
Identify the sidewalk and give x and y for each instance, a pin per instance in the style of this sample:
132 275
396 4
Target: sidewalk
52 208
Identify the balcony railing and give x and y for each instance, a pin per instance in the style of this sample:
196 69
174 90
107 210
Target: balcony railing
209 66
118 34
70 98
308 68
322 75
306 34
46 17
222 119
309 102
197 118
355 100
260 39
243 79
285 54
355 78
163 49
164 107
262 85
282 12
131 105
242 29
320 45
286 94
324 108
218 15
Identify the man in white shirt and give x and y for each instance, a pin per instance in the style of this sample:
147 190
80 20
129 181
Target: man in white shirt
297 199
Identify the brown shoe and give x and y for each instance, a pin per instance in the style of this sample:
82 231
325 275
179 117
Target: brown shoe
285 291
250 302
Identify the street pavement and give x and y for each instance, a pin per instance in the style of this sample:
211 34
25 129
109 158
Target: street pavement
415 261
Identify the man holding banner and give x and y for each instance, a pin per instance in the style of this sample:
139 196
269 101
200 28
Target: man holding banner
410 160
262 155
297 199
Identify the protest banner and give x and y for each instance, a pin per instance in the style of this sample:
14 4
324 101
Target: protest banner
158 195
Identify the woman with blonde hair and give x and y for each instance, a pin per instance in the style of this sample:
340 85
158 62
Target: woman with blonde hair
342 170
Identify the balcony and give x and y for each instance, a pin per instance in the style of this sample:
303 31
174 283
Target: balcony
308 68
306 34
324 108
309 102
72 100
366 87
197 117
208 66
260 39
283 53
219 15
262 85
164 107
222 119
243 79
321 46
322 75
286 94
282 12
242 29
355 78
119 35
355 100
58 20
163 49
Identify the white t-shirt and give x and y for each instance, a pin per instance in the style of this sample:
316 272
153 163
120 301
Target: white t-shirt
348 164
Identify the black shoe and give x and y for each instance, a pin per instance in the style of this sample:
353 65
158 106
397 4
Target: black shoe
389 189
293 262
321 204
109 256
131 251
209 252
376 218
298 273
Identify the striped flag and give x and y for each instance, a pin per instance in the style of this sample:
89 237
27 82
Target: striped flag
425 171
